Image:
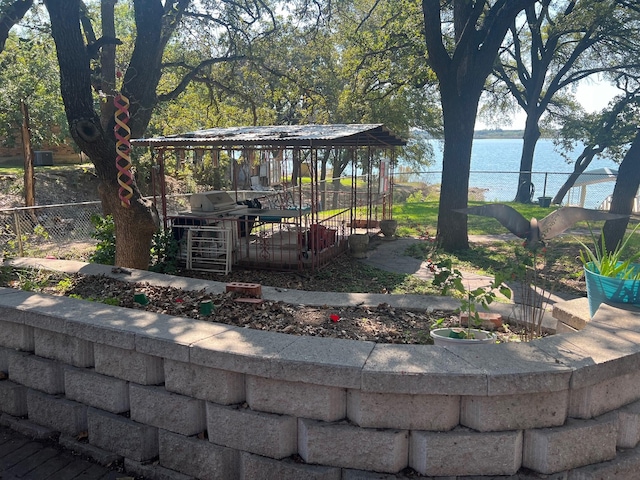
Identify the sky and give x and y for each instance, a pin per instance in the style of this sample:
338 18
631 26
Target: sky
593 95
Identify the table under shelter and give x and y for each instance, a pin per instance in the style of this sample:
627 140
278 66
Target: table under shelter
271 202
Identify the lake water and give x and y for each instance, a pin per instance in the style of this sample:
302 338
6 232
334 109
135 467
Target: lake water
495 164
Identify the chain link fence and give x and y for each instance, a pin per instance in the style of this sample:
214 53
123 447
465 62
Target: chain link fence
499 186
65 231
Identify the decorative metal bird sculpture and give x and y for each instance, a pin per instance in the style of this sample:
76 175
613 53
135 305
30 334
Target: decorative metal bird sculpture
536 232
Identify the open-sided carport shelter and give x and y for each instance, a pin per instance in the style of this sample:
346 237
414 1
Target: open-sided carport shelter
297 224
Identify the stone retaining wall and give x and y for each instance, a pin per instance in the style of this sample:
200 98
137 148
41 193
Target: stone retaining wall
180 398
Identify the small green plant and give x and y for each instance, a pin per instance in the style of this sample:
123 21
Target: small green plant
33 280
40 231
108 300
5 275
105 233
609 263
450 280
164 252
535 288
164 248
64 284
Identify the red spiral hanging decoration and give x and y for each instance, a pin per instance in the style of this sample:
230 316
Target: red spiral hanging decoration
122 133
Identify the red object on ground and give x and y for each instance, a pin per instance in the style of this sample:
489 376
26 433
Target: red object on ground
334 317
488 320
250 289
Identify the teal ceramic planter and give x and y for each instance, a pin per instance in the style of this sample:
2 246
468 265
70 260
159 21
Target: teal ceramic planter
602 289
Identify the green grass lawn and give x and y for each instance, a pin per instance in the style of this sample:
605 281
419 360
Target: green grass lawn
414 218
561 263
19 169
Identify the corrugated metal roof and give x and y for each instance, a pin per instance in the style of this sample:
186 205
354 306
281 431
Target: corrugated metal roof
319 136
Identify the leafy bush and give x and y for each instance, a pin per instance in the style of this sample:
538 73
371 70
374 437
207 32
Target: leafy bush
105 233
164 252
164 248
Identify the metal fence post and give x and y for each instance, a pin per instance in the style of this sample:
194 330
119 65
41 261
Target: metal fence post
18 232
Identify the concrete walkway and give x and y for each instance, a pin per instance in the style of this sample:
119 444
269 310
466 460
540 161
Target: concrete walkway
390 255
23 458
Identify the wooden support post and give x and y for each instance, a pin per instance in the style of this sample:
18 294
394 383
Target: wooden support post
29 181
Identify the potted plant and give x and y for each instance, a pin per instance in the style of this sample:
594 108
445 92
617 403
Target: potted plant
451 279
608 277
544 202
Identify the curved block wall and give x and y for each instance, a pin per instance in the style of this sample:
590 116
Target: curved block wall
178 397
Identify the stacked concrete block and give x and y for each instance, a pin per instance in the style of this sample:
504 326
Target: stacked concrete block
625 466
96 390
35 372
265 434
255 466
514 412
365 475
343 445
210 384
198 458
295 398
13 398
63 348
59 414
594 400
121 435
128 365
153 471
28 428
578 443
403 404
410 412
100 455
17 336
170 411
462 451
4 358
628 421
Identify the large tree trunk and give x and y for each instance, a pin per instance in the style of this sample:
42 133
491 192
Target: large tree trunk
459 122
135 225
623 193
479 30
530 139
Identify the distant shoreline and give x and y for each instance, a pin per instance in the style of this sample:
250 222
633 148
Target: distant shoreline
498 134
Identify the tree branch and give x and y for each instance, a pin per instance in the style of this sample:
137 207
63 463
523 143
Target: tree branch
192 74
10 16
